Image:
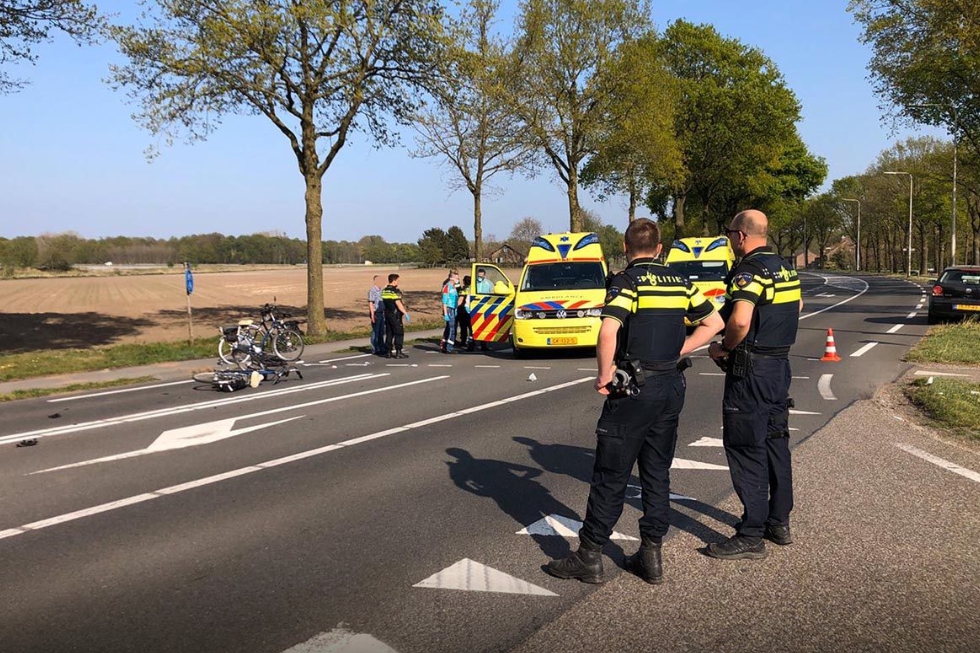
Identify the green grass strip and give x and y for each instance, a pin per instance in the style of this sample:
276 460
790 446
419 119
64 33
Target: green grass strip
949 343
30 364
950 403
74 387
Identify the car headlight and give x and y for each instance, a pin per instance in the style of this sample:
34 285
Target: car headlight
521 314
595 312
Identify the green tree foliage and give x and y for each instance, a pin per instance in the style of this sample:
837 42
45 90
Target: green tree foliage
564 47
26 23
468 125
457 247
926 52
610 237
433 247
637 145
734 119
315 70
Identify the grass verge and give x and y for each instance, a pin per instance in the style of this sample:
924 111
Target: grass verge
75 387
25 365
949 403
949 343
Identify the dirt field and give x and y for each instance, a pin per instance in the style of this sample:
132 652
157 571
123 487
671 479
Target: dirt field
60 313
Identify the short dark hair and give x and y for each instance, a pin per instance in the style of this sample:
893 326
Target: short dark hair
479 270
643 235
392 277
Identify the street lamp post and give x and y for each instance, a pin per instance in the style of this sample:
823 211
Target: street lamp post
908 267
956 129
857 250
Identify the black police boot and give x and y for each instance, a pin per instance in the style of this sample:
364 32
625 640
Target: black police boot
401 354
778 534
585 564
647 563
738 547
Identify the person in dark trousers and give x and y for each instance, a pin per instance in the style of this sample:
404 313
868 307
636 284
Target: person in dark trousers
642 333
762 310
376 312
464 334
391 296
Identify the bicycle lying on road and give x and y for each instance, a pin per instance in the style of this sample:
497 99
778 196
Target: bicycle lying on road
241 343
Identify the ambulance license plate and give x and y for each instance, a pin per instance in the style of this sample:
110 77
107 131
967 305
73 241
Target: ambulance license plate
562 341
966 307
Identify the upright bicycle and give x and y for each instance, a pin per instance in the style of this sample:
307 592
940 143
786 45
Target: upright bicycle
251 342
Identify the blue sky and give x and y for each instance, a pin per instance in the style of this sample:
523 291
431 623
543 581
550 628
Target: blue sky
71 159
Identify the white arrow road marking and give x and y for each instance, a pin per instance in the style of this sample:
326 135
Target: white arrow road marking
680 463
895 328
188 436
166 412
823 386
183 487
341 640
471 576
945 464
863 350
802 412
557 525
118 392
707 442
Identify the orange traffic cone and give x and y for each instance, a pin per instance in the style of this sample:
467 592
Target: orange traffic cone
830 353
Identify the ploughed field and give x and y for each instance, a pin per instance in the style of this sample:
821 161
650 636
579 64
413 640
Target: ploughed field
57 313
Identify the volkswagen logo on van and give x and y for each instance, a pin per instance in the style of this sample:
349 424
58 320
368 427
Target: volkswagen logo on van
561 315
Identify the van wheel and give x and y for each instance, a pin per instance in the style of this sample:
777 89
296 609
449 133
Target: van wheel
518 352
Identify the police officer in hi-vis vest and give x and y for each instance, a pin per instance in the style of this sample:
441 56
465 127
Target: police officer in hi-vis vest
762 312
641 339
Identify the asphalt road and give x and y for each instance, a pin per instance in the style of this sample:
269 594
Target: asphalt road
369 498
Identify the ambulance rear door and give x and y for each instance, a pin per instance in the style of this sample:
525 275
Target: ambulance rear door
491 303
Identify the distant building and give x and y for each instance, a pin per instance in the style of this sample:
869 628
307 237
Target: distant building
505 255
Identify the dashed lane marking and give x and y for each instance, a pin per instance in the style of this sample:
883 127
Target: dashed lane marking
711 373
174 489
118 392
487 367
945 464
530 367
895 328
823 386
801 377
863 350
439 365
911 316
345 358
802 412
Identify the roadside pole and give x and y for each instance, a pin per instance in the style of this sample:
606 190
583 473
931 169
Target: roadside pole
189 282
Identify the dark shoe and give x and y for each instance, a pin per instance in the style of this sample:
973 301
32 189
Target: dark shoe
389 355
647 563
483 347
738 547
401 354
585 565
778 534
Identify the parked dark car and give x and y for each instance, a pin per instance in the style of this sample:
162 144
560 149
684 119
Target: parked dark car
956 293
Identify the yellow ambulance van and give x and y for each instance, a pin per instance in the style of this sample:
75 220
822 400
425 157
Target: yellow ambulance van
705 261
556 303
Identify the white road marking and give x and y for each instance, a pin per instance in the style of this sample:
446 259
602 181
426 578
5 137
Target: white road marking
188 436
166 412
863 350
286 459
487 366
340 640
586 369
801 377
910 316
895 328
802 412
707 442
364 364
398 365
561 526
945 464
711 373
117 392
471 576
671 495
918 307
439 365
346 358
529 367
823 294
680 463
823 386
840 303
927 373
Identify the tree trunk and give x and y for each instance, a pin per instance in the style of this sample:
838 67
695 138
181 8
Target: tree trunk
574 210
477 225
316 323
679 216
632 199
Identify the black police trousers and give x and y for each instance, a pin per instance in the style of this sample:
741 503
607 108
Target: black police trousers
635 429
394 332
755 419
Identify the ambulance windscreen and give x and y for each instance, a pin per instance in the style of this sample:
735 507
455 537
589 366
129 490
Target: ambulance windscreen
571 275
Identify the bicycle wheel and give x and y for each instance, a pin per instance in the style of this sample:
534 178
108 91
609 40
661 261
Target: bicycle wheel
288 344
205 377
225 351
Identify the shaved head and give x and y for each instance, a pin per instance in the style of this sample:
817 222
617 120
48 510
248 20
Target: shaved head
752 223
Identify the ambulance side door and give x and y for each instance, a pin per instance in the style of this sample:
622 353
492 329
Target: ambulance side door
491 303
